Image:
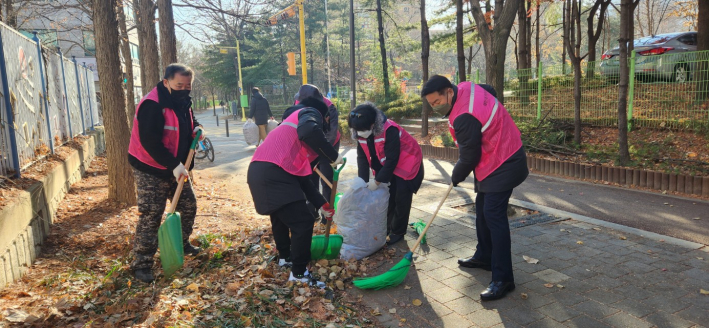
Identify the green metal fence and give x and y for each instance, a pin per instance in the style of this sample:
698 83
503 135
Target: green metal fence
665 91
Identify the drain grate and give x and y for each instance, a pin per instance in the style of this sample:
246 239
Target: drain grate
533 219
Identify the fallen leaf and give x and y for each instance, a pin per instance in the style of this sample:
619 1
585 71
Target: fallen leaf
562 230
392 311
695 219
340 285
662 240
376 312
524 296
14 315
402 320
548 285
530 260
704 292
559 286
417 302
407 287
299 299
266 292
579 242
623 237
193 287
700 258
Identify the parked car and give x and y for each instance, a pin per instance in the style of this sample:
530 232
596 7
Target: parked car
667 57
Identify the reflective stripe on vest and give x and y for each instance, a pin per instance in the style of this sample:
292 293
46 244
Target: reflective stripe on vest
470 111
172 128
293 125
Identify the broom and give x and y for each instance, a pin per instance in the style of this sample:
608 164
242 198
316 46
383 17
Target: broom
397 274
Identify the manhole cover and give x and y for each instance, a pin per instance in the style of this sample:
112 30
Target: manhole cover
533 219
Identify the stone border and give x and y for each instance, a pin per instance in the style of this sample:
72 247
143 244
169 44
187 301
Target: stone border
679 183
26 220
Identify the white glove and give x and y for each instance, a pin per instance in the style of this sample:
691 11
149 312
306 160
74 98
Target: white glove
338 161
194 132
180 171
372 185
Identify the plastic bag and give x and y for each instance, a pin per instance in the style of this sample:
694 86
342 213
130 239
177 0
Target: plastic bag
272 124
251 132
361 219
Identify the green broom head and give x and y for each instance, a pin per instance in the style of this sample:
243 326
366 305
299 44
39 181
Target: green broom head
391 278
419 227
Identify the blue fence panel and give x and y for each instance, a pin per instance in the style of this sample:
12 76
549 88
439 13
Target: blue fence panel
72 97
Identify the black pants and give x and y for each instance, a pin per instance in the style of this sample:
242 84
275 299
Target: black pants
292 227
400 197
493 230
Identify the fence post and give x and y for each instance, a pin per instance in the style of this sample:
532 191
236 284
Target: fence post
88 90
8 108
631 91
66 94
539 90
78 94
40 60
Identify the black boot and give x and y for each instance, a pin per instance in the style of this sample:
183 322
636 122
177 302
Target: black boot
191 250
144 275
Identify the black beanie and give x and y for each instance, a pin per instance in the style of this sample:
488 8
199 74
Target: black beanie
320 106
362 117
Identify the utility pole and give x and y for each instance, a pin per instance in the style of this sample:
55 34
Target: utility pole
353 84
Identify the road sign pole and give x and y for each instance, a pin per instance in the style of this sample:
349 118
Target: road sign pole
241 91
301 18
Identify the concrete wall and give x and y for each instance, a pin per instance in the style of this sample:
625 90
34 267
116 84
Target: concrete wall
26 221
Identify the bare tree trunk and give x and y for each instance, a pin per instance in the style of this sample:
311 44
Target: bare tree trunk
168 41
148 44
425 50
10 14
495 40
573 19
383 49
702 73
2 6
564 37
121 186
594 32
538 48
459 39
128 62
528 35
626 16
523 52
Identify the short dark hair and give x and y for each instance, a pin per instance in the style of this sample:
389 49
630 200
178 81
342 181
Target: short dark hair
436 83
177 68
255 90
362 117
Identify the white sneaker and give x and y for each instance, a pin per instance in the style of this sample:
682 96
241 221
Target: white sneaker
285 263
307 278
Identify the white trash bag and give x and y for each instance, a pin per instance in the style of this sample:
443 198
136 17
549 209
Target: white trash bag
272 124
251 132
361 219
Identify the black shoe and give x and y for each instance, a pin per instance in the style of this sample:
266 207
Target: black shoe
144 275
497 290
473 263
393 239
191 250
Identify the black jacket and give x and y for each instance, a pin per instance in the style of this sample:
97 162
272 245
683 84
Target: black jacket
468 132
392 150
259 109
272 187
151 124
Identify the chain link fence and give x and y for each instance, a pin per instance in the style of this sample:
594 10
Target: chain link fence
665 91
46 100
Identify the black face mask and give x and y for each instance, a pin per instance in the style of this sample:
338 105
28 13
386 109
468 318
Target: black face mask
181 95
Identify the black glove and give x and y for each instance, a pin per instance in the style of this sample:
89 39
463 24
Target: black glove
455 183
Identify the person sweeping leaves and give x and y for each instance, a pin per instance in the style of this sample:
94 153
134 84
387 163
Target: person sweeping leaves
490 145
396 159
279 180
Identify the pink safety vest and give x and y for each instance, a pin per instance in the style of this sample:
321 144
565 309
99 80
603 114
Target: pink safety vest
283 148
410 154
501 137
170 135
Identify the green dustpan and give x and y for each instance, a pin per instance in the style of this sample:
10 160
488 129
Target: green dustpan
172 252
328 246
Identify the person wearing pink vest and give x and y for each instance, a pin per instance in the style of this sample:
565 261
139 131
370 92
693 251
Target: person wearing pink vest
163 129
332 135
395 158
490 145
280 184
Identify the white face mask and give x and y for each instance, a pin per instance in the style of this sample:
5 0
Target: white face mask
364 134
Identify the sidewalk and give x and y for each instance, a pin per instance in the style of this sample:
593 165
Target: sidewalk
598 276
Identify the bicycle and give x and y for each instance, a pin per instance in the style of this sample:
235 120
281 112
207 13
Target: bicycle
205 149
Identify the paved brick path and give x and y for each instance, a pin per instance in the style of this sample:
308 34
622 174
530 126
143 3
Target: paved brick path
600 277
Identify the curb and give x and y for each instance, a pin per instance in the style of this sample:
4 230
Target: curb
660 181
590 220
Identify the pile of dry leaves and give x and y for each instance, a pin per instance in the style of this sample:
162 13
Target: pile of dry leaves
82 278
